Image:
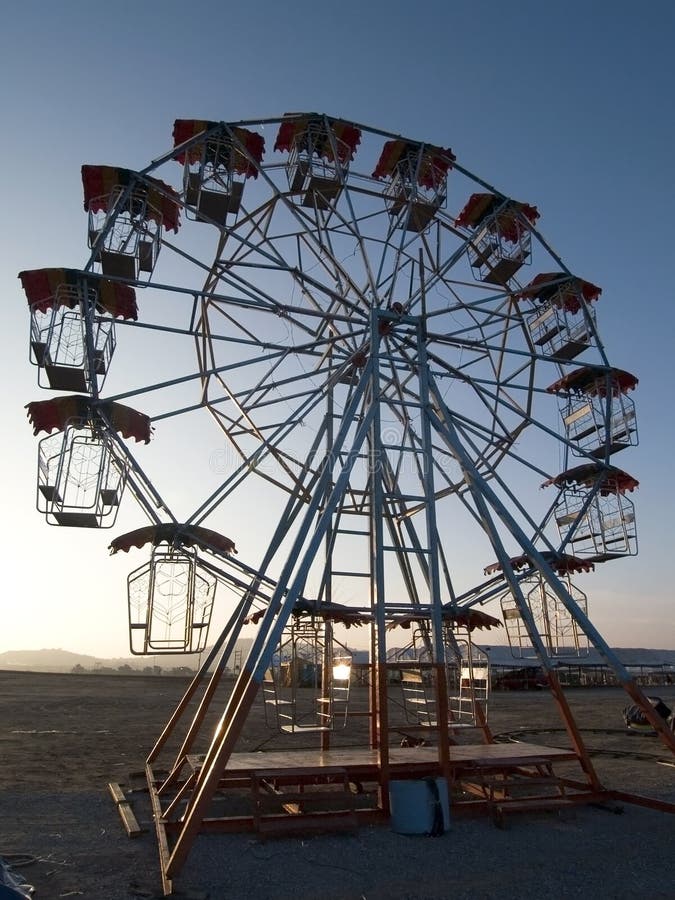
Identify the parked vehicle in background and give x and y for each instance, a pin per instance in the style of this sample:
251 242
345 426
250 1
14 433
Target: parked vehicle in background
528 678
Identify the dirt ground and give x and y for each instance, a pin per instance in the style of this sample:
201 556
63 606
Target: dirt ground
64 737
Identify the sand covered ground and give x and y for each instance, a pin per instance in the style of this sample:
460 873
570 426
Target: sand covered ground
64 737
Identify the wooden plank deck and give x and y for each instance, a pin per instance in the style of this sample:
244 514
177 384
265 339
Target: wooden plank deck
364 762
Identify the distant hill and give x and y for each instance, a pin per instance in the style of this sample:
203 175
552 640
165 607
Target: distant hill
48 660
57 660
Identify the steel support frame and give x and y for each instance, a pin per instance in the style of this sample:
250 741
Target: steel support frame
289 587
364 407
483 494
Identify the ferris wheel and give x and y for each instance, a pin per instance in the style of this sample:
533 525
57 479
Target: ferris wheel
397 362
365 300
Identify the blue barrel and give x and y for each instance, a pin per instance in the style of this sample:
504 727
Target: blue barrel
419 806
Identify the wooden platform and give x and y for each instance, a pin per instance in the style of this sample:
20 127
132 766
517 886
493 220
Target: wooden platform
363 763
312 791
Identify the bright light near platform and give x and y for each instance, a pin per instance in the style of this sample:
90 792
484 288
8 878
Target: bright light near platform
341 671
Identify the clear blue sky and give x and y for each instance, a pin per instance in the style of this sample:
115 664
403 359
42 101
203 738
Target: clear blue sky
565 105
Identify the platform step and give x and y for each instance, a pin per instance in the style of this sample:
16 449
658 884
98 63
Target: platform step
531 804
520 783
309 800
318 823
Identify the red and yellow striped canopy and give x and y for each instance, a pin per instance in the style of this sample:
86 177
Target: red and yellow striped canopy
433 166
242 140
55 414
612 480
480 206
292 132
176 535
43 291
463 618
594 382
568 287
562 563
99 182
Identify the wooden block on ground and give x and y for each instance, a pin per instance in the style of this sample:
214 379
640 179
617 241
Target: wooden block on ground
133 829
